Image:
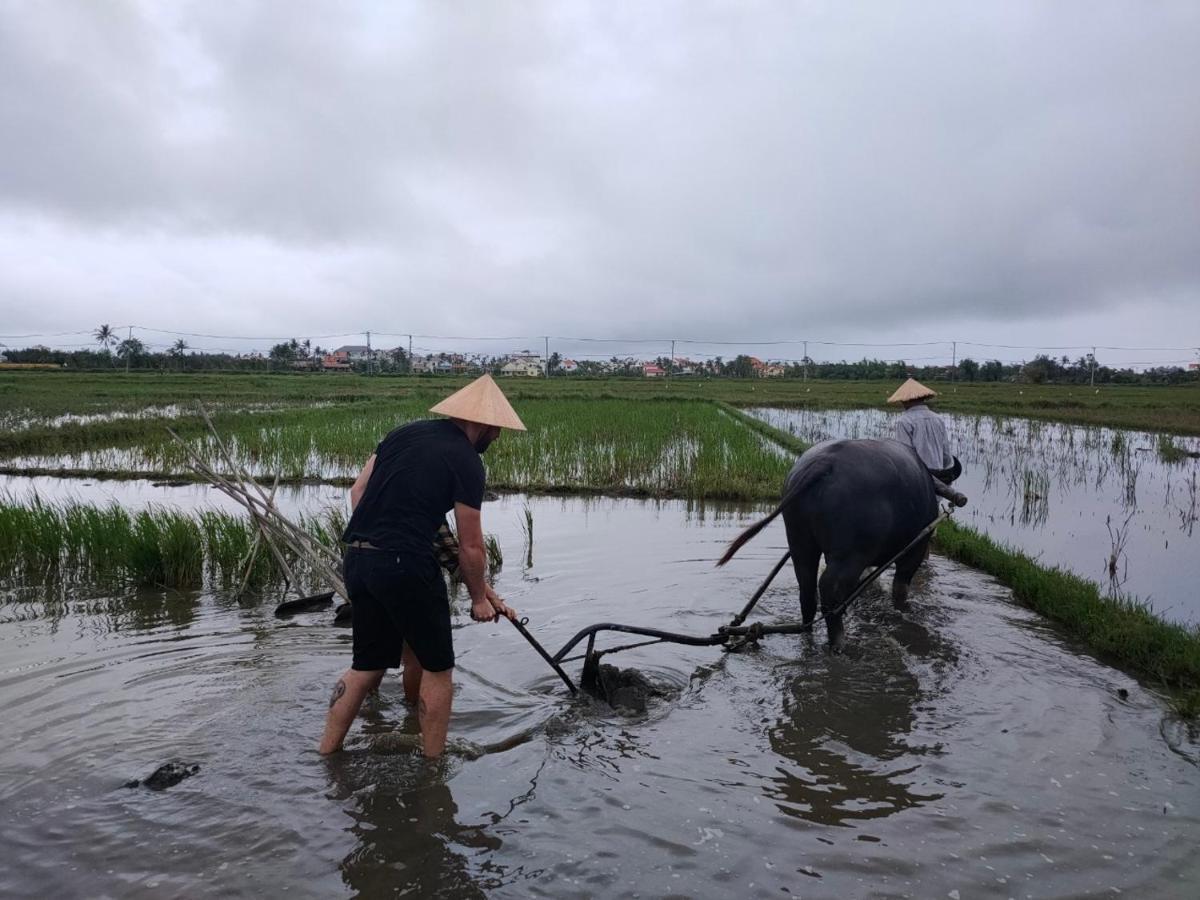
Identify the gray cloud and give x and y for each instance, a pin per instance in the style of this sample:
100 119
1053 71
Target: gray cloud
726 170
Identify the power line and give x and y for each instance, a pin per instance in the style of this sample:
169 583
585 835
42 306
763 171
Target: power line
695 345
14 337
798 341
451 337
1080 347
236 337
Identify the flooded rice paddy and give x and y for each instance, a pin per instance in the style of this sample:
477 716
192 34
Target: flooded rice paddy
960 749
1105 503
23 419
671 448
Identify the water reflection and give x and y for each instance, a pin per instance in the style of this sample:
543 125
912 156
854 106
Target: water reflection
405 823
113 608
847 723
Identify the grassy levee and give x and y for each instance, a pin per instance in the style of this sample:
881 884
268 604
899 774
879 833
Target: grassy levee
782 438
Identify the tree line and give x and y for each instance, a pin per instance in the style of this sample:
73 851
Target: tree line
113 352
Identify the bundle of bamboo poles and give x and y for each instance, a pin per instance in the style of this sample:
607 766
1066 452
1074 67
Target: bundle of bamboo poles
276 532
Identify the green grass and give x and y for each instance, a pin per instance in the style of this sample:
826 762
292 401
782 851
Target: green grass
1169 451
658 448
157 546
788 441
38 397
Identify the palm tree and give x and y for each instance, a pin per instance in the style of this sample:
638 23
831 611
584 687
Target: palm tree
105 337
130 349
177 351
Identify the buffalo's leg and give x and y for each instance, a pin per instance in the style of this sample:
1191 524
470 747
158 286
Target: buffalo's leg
906 568
806 556
837 581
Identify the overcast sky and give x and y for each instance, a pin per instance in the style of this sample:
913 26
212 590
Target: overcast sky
1002 173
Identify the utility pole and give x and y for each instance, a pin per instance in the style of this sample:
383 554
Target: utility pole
128 349
370 355
805 360
410 354
1093 367
546 364
954 360
671 361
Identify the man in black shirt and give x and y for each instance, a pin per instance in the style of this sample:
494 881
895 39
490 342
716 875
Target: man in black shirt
401 614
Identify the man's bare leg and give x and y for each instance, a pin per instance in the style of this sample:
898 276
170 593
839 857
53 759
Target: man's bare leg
347 697
437 691
412 676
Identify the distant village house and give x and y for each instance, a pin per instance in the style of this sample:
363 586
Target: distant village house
337 361
526 365
354 352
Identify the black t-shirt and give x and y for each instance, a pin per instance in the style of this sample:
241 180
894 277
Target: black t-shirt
421 470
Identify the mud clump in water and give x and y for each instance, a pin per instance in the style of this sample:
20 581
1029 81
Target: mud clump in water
624 689
165 776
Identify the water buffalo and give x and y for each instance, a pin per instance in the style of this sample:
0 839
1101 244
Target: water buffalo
858 503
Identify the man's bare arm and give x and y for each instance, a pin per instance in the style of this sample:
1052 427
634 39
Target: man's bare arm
470 551
486 606
360 483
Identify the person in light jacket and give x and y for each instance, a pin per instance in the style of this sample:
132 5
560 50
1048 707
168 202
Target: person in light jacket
922 429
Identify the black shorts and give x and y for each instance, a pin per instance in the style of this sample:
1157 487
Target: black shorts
397 600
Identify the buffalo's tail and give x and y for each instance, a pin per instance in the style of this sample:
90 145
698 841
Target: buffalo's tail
746 535
806 480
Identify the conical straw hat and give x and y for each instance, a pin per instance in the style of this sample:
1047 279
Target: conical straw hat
911 390
481 401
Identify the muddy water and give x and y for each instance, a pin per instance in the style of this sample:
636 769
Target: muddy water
961 747
1099 501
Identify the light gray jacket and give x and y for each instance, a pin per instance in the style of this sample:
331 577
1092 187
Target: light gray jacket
922 429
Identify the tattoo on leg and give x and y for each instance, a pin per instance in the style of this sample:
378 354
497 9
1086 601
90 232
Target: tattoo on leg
338 690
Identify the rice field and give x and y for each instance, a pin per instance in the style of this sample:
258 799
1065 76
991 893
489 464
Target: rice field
158 546
41 398
659 448
682 439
